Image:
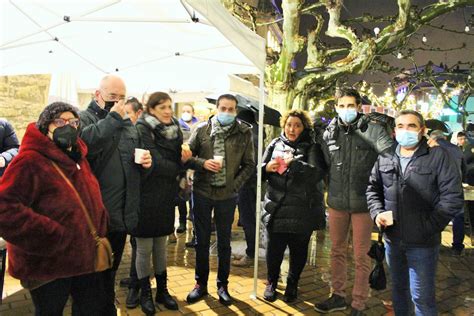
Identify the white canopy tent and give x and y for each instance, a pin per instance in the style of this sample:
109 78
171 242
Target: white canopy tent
165 45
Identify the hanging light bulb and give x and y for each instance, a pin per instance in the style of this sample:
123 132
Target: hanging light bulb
376 30
424 39
467 29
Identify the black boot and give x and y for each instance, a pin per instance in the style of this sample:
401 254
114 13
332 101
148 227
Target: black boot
133 297
162 294
146 298
291 291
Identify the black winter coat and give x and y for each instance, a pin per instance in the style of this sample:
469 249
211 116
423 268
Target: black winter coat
423 199
119 179
353 150
292 204
160 187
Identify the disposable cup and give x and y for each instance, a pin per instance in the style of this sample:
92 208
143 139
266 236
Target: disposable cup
139 155
389 218
219 159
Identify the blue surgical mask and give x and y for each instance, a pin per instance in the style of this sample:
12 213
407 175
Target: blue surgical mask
225 118
347 115
406 138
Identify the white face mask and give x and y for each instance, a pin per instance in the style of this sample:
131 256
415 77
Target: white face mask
187 117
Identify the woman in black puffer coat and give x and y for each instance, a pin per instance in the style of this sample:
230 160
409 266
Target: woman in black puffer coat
293 166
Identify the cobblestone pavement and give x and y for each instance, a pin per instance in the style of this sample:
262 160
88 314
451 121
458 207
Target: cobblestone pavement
455 284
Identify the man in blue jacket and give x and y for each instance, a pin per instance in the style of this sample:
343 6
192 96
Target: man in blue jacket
414 191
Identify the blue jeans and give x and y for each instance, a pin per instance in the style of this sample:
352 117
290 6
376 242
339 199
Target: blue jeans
223 216
413 272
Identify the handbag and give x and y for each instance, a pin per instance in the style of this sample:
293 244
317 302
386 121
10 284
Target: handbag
104 255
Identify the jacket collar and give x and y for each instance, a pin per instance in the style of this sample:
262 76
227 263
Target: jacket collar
34 140
97 110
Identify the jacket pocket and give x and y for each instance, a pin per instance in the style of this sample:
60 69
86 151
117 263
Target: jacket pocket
387 173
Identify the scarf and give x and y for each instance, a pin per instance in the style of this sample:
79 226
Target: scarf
219 133
168 131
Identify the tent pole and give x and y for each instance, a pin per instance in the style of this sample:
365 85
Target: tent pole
258 203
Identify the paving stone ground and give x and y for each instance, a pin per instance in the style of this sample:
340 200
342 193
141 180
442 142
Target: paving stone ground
454 286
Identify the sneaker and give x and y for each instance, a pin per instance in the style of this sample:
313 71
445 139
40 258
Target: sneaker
270 293
332 304
244 262
181 228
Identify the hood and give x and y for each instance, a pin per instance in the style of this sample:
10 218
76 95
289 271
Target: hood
34 140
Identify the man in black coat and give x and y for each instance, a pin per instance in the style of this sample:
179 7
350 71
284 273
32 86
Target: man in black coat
111 139
414 191
353 141
458 158
8 144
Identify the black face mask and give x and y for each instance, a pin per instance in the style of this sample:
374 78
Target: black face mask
65 137
109 105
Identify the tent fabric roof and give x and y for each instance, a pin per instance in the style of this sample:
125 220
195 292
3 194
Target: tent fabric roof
152 44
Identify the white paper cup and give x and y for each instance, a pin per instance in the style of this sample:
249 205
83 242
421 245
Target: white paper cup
389 218
219 159
139 155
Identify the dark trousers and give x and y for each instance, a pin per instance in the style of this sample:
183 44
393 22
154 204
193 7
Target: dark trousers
247 210
458 231
183 210
223 217
133 267
117 241
87 292
277 243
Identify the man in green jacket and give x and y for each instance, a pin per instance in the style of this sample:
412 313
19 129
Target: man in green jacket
223 159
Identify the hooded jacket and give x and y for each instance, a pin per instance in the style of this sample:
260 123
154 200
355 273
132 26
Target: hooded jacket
40 216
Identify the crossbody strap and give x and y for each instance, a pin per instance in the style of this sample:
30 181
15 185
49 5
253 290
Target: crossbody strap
86 213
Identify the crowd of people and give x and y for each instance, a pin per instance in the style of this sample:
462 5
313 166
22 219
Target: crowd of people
129 165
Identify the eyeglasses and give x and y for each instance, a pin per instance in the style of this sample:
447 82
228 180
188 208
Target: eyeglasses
59 122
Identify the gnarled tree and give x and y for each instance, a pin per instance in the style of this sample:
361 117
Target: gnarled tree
289 88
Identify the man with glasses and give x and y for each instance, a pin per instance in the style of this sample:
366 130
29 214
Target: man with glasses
111 139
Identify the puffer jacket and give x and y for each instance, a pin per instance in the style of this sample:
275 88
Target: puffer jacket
423 199
353 150
291 204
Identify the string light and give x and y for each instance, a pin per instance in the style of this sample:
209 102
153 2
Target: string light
467 29
376 30
399 55
424 39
